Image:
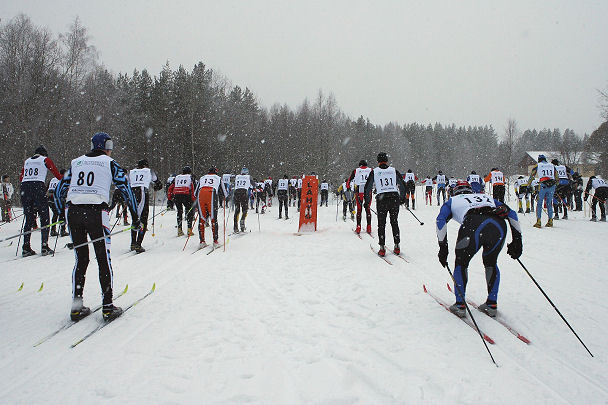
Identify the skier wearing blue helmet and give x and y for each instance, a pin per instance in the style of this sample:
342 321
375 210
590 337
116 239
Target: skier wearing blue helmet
86 190
548 178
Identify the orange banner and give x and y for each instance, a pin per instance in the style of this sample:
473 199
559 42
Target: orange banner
308 204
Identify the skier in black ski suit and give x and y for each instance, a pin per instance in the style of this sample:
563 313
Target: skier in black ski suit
390 189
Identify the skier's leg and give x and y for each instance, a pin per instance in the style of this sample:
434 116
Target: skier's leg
394 214
78 234
382 208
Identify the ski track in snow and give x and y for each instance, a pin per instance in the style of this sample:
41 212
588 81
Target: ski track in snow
282 319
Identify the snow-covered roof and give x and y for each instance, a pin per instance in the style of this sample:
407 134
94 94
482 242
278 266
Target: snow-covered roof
549 155
579 157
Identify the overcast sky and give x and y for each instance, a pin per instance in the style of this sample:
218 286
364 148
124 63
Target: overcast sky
467 62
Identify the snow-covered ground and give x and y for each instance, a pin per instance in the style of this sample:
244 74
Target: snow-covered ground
280 318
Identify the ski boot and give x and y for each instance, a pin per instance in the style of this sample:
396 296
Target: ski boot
369 229
190 233
549 223
344 218
78 310
243 225
133 246
556 217
111 312
520 211
125 223
488 309
603 218
382 251
565 216
527 210
286 217
396 249
139 249
64 232
235 229
46 250
27 251
53 231
458 309
180 232
593 219
358 229
537 224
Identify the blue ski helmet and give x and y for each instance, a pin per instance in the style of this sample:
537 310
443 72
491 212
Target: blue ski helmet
244 170
102 141
542 158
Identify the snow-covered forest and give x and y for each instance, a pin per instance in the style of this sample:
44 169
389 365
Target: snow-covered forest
55 91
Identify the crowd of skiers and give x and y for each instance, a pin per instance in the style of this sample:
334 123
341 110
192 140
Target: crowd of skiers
79 199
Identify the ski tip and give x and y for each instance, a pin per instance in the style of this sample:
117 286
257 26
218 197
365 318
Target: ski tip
153 287
20 287
41 287
449 287
126 288
488 339
424 288
523 339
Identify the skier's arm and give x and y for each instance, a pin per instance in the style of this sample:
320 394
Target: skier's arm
119 177
400 187
515 248
51 166
367 190
488 177
170 191
532 175
445 214
61 191
350 178
588 188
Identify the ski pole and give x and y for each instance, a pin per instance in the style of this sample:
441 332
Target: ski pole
55 247
193 222
117 219
554 307
259 229
593 196
336 208
31 231
461 295
153 210
12 219
18 243
224 209
100 238
410 211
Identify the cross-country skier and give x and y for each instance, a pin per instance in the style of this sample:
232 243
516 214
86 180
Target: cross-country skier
347 195
243 187
268 189
170 180
410 180
451 184
227 188
182 194
523 193
428 190
121 206
476 182
483 225
293 183
299 191
390 193
140 179
562 189
282 190
89 179
441 184
497 178
33 198
359 177
599 196
6 195
324 186
577 185
50 195
208 196
547 179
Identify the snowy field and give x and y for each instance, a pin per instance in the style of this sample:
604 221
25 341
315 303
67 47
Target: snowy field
314 319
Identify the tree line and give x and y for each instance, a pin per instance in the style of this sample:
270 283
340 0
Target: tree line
55 92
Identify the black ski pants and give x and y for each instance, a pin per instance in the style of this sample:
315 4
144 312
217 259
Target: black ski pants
562 192
184 202
33 199
324 197
240 204
282 196
410 192
92 220
388 203
143 210
600 195
479 231
498 192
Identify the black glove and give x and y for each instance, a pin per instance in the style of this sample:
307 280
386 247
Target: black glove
443 253
515 248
